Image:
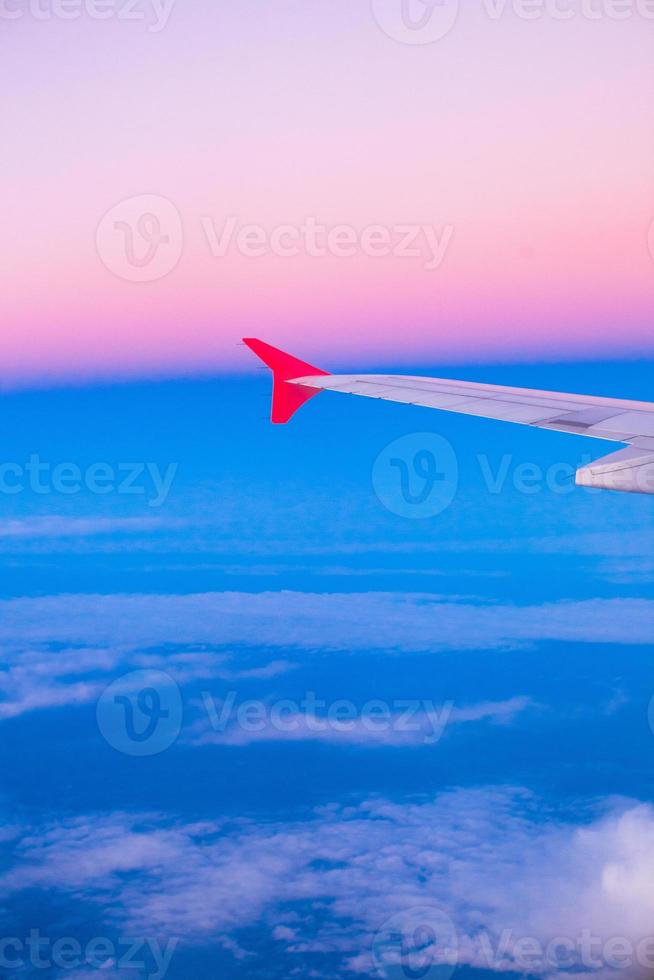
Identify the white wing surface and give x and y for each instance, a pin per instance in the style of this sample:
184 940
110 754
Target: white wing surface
632 422
601 418
614 419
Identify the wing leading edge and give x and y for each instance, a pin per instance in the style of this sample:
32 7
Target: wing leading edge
613 419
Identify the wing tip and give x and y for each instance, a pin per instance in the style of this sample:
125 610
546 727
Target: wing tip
286 398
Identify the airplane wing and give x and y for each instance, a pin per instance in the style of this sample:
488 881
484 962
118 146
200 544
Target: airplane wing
613 419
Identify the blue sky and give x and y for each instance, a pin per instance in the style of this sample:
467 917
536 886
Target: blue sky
450 712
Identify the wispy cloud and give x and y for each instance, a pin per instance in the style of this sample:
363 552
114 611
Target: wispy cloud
55 526
419 723
52 677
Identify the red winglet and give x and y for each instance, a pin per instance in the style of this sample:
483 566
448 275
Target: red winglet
286 398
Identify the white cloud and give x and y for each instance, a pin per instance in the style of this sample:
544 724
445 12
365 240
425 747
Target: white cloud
374 724
329 621
36 678
62 650
55 526
496 861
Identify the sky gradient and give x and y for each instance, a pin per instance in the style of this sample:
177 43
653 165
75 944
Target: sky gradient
525 144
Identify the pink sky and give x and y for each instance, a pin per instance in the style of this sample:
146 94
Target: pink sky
530 140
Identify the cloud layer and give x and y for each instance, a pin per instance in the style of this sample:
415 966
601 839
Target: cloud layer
510 874
63 650
330 621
